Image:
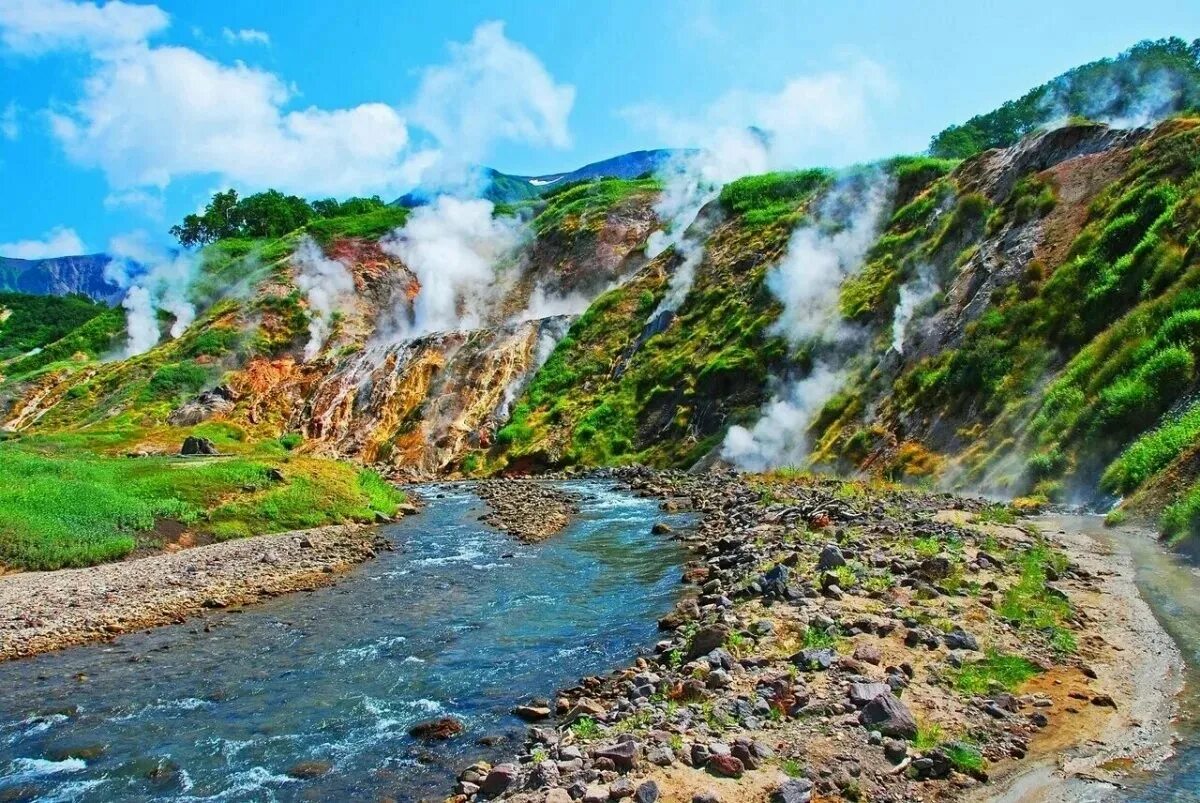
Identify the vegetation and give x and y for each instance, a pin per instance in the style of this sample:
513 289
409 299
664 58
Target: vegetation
267 214
1108 88
583 206
30 322
64 505
996 671
771 197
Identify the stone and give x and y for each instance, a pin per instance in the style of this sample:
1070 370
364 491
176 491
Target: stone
706 640
498 780
646 793
831 558
558 796
193 445
889 716
532 713
436 729
868 654
623 755
621 789
895 750
725 766
959 639
307 770
706 797
660 756
795 790
863 693
596 794
661 528
815 659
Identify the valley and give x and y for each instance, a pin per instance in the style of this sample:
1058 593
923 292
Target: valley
644 481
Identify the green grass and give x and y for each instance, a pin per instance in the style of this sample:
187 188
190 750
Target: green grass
584 206
1032 604
764 199
370 225
585 730
928 736
1152 452
61 505
28 322
997 669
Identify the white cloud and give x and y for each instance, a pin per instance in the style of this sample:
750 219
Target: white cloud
148 115
246 36
148 202
824 118
32 27
57 242
492 89
10 123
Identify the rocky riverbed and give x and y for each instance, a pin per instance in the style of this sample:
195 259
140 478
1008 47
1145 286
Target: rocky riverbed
529 510
44 611
848 642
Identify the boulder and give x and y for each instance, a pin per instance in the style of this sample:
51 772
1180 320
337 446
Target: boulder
498 780
889 716
436 729
725 766
623 755
193 445
796 790
831 558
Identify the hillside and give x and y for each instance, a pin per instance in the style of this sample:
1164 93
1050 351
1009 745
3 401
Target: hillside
60 276
1019 323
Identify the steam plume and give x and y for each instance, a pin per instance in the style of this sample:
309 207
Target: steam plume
327 285
913 295
155 280
807 280
455 248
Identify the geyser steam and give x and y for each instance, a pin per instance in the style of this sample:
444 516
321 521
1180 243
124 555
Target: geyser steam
819 258
155 280
454 247
327 286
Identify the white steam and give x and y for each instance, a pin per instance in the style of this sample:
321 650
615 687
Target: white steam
913 295
155 280
455 248
807 281
1127 98
327 286
692 180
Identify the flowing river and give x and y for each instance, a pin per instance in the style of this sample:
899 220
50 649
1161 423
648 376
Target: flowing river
311 696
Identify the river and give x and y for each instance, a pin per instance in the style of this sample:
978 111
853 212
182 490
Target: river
311 696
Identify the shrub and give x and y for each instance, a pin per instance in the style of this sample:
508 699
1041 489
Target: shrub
177 379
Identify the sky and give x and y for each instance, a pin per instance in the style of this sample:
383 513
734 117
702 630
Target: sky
118 118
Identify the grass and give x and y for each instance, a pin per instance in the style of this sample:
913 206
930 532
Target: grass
765 199
1032 604
61 505
1152 452
585 730
28 322
1008 672
584 206
929 736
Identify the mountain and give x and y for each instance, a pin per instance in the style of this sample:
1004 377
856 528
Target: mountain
1025 322
60 276
503 188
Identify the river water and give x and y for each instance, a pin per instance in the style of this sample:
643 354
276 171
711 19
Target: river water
459 620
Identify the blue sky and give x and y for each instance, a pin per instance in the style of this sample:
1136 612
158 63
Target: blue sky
116 119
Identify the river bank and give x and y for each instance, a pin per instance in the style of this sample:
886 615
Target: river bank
44 611
865 644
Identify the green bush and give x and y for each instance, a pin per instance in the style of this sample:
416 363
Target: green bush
177 379
764 199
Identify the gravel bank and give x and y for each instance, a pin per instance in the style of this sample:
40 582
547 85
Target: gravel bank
44 611
529 510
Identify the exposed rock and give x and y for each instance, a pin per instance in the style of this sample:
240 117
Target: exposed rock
886 714
193 446
436 729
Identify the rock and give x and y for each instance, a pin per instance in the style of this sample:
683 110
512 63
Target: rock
558 796
889 716
660 756
775 582
620 789
796 790
646 793
863 693
868 654
831 558
193 445
959 639
724 766
706 797
84 752
661 528
532 713
1104 700
706 640
307 770
498 780
596 794
436 729
895 750
623 755
815 659
935 568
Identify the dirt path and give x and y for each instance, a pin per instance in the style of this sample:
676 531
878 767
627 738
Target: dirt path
1135 662
44 611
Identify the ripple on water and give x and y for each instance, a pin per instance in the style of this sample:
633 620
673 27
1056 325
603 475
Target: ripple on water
441 626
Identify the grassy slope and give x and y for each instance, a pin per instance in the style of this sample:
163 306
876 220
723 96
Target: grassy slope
30 322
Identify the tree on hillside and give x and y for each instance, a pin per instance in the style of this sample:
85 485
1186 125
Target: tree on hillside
1150 80
265 214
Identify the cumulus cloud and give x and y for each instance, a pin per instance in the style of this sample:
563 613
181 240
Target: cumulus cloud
59 241
248 36
327 286
148 115
454 247
33 27
491 89
151 114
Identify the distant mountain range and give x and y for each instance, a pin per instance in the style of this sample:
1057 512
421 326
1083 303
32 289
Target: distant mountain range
505 188
60 276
